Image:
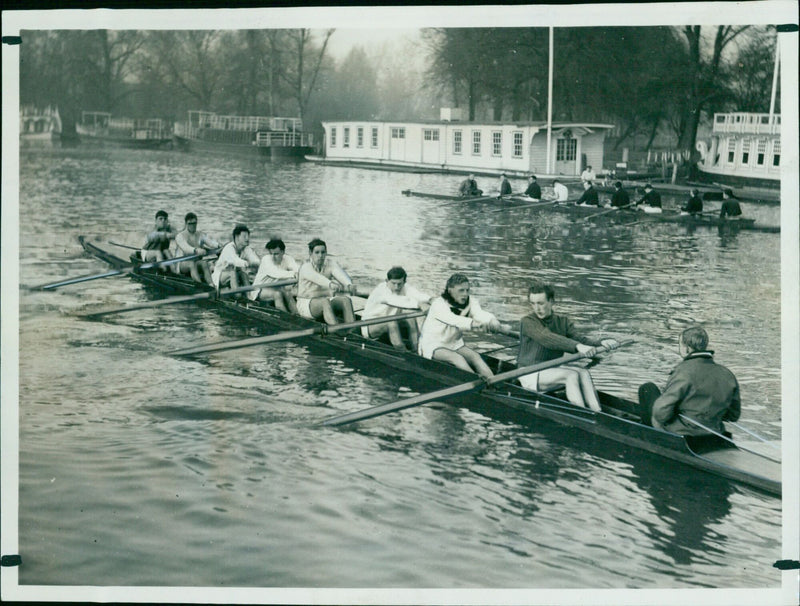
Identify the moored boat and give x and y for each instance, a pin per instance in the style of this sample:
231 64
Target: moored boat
617 422
257 136
100 128
39 128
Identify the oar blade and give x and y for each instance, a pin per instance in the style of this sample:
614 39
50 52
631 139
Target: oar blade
79 279
241 343
146 305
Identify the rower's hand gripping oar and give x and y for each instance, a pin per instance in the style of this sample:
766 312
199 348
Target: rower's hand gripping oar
322 329
125 270
185 299
448 392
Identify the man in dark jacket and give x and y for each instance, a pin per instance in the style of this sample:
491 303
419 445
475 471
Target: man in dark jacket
620 198
589 195
700 394
651 201
533 190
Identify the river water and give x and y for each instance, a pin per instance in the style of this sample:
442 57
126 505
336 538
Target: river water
139 469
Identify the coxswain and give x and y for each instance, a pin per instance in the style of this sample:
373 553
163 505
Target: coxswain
189 241
533 190
454 311
234 260
469 187
546 336
589 196
276 265
158 241
392 297
694 206
651 201
700 394
319 281
730 209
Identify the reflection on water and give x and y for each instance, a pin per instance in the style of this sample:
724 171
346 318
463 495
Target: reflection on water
141 469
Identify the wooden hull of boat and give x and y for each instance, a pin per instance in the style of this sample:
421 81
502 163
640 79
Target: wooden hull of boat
618 421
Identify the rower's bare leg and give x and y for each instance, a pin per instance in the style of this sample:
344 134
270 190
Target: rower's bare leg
476 361
175 267
289 302
193 271
206 271
344 306
321 309
452 357
552 378
413 333
395 337
588 390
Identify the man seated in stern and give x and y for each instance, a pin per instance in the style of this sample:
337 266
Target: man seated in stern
546 336
189 241
276 265
319 281
700 394
469 187
234 260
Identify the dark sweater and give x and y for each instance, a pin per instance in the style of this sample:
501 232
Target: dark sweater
548 339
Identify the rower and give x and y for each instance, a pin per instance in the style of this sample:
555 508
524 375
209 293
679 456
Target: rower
651 201
189 241
698 389
319 280
560 190
390 298
589 195
469 187
454 311
620 197
276 265
694 206
157 242
533 190
731 208
545 336
234 259
505 187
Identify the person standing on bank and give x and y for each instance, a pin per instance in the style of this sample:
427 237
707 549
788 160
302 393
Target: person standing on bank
698 389
546 336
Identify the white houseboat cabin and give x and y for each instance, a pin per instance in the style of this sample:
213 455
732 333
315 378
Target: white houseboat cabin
450 145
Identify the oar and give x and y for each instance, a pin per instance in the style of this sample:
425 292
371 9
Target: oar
123 245
726 438
479 199
117 272
531 205
605 212
185 299
322 329
448 392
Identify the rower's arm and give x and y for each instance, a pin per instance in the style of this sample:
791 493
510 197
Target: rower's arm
665 408
735 406
340 274
547 338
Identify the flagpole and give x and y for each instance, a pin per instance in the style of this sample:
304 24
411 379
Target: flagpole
775 78
550 104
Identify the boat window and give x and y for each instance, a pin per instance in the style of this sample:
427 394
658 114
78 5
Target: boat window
374 136
776 152
517 144
346 137
761 152
746 151
360 137
476 143
456 141
333 136
497 143
731 150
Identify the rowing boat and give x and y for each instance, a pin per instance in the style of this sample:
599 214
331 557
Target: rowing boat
448 198
617 422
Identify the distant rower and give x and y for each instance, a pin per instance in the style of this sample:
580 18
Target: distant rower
158 241
533 190
651 201
730 206
469 187
694 206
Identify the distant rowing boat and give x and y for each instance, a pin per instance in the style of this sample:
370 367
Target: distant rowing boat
618 421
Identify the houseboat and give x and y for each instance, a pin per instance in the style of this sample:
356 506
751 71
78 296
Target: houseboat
249 135
39 128
744 150
450 145
101 128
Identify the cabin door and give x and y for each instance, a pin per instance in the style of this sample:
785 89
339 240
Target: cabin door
566 154
430 146
397 143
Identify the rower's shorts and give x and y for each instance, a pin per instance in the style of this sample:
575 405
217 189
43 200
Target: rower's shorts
530 381
304 308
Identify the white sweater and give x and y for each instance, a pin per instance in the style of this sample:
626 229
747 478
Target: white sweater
228 258
383 302
269 272
442 328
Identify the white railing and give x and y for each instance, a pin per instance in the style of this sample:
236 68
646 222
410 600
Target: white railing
199 119
744 122
274 139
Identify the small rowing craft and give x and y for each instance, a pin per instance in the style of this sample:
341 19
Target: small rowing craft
617 422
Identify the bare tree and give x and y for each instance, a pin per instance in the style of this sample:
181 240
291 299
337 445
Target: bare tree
302 85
